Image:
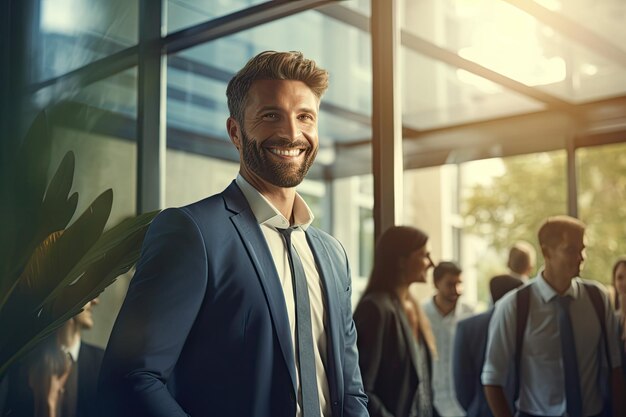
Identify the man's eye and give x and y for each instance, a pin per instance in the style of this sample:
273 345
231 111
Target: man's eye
306 117
270 116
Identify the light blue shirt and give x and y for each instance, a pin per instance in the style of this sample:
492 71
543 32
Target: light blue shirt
444 330
542 383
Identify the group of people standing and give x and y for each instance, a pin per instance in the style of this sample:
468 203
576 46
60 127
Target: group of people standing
548 347
241 308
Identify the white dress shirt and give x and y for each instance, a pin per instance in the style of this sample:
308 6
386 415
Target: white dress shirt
270 219
542 386
444 329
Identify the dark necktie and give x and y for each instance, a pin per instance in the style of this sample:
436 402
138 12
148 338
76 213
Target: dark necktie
304 333
573 395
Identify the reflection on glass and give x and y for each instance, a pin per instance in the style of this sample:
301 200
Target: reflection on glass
73 33
99 127
191 177
182 14
605 18
601 197
507 40
435 94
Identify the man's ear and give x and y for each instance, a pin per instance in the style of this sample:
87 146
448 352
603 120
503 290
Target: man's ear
234 132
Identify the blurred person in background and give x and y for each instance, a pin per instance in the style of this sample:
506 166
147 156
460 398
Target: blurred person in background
469 352
59 377
619 286
522 258
395 341
561 346
444 312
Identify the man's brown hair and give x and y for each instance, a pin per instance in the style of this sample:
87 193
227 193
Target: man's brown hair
272 65
521 257
552 231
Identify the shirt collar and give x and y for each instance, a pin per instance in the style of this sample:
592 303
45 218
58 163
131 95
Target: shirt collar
266 213
73 350
547 293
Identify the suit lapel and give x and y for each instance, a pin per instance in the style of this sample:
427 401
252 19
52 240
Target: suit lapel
252 237
333 307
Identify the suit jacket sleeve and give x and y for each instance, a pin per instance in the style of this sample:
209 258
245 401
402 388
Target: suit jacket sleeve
355 400
465 376
371 323
161 305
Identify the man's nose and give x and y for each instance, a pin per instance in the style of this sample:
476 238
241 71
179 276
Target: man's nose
289 128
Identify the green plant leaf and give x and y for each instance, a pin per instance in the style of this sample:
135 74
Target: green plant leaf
73 245
124 247
100 274
59 210
109 240
58 207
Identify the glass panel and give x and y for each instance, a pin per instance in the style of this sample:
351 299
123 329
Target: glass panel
73 33
98 125
506 200
435 95
191 177
182 14
362 6
603 17
601 196
511 42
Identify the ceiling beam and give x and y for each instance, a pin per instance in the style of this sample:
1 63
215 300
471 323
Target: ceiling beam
236 22
429 49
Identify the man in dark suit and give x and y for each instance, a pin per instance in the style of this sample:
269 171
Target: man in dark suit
239 307
469 352
59 377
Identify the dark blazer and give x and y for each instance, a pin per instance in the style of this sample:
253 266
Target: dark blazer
467 363
387 356
470 345
89 362
18 397
204 328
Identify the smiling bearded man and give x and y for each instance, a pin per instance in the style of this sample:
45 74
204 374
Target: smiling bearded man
239 307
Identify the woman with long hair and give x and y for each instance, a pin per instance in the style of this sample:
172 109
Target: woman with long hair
395 341
619 286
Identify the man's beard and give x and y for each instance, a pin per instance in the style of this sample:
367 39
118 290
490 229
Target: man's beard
280 174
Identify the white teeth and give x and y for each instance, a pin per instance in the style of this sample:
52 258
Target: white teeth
282 152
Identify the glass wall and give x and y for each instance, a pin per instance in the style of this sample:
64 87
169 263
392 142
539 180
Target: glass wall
601 197
504 200
73 33
98 124
182 14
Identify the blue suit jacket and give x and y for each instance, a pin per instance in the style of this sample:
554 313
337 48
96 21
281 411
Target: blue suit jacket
470 344
469 355
204 329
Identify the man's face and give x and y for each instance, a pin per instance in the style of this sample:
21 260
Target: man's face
450 287
565 259
279 141
84 319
